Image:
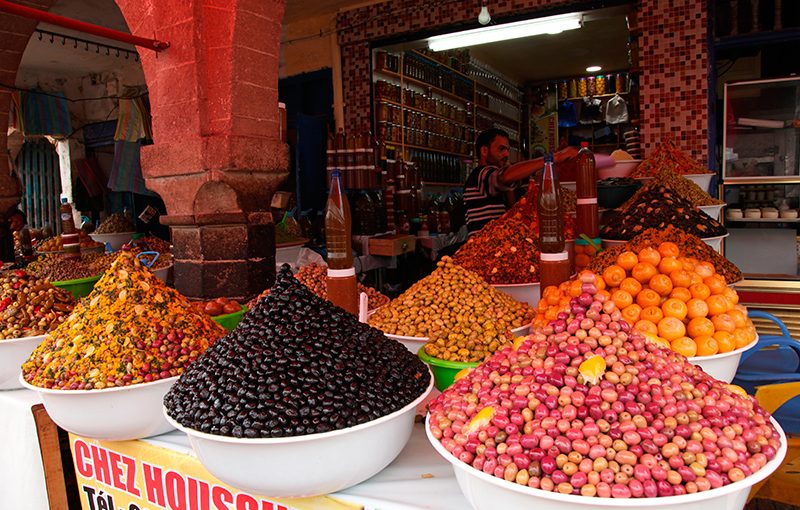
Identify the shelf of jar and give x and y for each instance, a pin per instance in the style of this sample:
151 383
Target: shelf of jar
442 184
498 115
500 95
435 89
598 96
398 145
414 109
762 220
441 64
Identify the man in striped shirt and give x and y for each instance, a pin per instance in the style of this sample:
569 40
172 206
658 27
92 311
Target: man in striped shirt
487 183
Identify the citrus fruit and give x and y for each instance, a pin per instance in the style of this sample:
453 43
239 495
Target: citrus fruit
648 297
718 304
668 265
631 313
724 322
699 290
646 326
643 271
613 275
696 308
661 284
700 326
631 286
706 346
621 298
674 308
716 283
681 294
684 345
668 249
670 328
681 278
627 259
649 255
652 314
725 341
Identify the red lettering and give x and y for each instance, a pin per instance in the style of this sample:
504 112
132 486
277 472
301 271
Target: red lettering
153 484
130 481
101 467
82 454
267 505
246 502
217 494
116 471
198 494
176 490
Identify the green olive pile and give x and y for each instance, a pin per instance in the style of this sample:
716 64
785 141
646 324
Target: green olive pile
295 365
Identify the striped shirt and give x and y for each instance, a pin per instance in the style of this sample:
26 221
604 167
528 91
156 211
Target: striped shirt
483 197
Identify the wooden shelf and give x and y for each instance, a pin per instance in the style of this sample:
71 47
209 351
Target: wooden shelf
762 220
437 63
419 147
598 96
429 114
499 116
437 183
434 88
496 93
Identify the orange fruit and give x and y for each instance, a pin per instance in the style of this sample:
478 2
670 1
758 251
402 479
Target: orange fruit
668 265
631 313
696 308
648 297
674 308
600 284
670 328
699 290
661 284
684 345
631 286
688 264
643 271
700 326
681 294
696 278
739 318
725 341
724 322
603 295
652 314
646 326
742 337
716 283
706 345
668 249
627 259
681 278
705 269
718 304
575 288
613 275
731 294
622 299
649 255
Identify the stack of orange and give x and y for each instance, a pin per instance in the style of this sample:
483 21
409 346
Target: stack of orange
670 298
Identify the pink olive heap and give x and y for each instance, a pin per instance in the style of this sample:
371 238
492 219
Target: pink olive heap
587 406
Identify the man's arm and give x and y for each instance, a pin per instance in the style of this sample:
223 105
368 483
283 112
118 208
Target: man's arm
525 169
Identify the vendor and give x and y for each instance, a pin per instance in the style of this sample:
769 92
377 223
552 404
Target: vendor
14 222
486 185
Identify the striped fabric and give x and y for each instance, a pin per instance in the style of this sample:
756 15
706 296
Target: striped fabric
45 114
126 170
133 121
483 197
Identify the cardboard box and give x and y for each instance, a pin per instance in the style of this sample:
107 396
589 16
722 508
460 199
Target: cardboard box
392 245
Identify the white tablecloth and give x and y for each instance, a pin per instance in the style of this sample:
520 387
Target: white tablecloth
21 473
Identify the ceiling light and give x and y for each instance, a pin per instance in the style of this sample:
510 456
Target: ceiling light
593 69
527 28
484 18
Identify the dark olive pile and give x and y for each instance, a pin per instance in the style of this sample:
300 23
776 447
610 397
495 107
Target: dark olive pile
295 365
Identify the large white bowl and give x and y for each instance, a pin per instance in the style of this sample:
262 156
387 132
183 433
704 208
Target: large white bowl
112 414
702 180
610 243
622 168
486 492
115 240
522 292
413 343
715 242
712 210
722 366
307 465
13 353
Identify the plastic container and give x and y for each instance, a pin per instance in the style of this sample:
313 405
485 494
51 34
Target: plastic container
712 210
413 343
585 252
523 292
722 366
229 321
554 268
80 287
13 353
115 240
610 243
715 242
162 273
309 465
111 414
444 372
702 180
622 168
486 492
287 253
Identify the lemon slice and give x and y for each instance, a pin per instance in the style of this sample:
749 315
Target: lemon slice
482 419
734 388
650 337
517 342
461 373
592 369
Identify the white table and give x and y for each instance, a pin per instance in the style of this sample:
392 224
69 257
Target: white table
22 484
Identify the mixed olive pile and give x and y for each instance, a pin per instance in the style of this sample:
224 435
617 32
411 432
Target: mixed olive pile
295 365
587 406
56 268
30 306
116 223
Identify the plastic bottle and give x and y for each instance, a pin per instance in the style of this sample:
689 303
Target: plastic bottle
338 226
70 239
551 212
586 191
67 223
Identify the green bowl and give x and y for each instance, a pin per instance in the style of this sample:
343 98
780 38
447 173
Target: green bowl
78 288
444 372
229 321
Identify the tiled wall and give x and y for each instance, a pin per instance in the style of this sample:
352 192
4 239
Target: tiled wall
673 55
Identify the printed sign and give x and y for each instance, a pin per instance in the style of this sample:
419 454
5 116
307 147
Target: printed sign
544 134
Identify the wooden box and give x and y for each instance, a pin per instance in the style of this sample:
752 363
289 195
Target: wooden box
391 245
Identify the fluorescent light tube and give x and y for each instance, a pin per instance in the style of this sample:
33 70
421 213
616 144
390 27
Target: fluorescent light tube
526 28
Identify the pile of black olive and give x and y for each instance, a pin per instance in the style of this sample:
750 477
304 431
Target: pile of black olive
295 365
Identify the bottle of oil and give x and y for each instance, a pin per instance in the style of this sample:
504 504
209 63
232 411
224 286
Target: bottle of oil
551 213
341 281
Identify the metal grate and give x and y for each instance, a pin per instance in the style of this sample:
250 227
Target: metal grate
39 172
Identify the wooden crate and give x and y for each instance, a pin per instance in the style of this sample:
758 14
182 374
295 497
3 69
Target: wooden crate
392 245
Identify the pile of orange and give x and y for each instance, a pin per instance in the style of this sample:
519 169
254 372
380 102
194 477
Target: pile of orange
670 298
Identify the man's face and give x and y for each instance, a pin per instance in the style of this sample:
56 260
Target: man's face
15 223
497 152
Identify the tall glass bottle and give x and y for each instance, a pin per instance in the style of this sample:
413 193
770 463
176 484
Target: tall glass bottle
338 225
551 213
586 191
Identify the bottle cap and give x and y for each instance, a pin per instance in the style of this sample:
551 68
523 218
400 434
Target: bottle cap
64 198
554 257
548 158
336 173
584 145
341 273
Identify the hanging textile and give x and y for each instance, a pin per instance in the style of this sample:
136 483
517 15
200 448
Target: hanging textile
15 120
90 175
126 170
133 121
45 114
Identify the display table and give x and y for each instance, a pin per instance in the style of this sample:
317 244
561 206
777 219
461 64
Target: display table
432 245
21 471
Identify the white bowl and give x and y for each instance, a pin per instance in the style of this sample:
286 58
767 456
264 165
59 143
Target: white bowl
715 242
610 243
13 353
115 240
487 492
112 414
722 366
307 465
163 273
522 292
571 185
712 210
622 168
413 343
702 180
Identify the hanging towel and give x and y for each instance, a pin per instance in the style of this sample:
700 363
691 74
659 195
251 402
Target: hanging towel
616 110
45 114
567 114
15 120
133 121
90 175
126 170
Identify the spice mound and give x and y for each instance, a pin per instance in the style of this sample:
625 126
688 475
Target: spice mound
131 329
666 155
464 317
30 306
295 365
57 244
580 409
116 223
502 252
659 207
681 185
